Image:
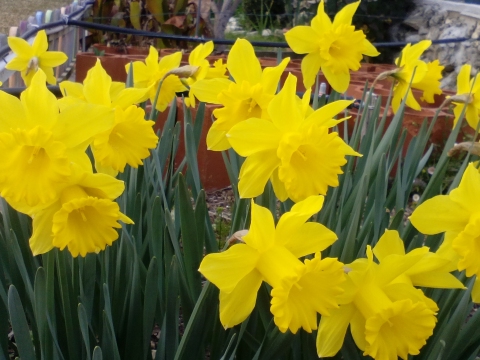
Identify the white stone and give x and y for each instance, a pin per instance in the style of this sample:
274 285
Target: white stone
266 32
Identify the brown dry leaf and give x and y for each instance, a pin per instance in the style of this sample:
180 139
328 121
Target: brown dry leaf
206 6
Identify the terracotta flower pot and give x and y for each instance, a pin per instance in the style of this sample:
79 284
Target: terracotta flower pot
211 166
114 65
122 50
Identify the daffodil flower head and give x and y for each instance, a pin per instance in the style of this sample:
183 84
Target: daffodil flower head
468 90
413 73
271 254
128 141
295 149
84 218
152 73
245 97
30 58
39 143
198 57
334 47
457 215
386 319
99 89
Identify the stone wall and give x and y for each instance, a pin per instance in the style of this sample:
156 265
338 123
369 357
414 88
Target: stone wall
437 19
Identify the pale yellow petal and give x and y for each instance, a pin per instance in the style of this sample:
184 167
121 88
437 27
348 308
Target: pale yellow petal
321 22
271 77
284 108
97 85
311 64
439 214
227 268
345 15
42 236
278 186
463 79
255 172
254 135
40 43
389 243
339 81
303 39
52 59
332 330
207 90
236 306
261 234
81 122
468 191
13 114
243 64
20 47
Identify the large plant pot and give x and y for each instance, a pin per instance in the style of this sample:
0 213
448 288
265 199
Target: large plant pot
211 166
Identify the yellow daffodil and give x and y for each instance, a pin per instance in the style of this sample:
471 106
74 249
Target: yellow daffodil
413 73
152 72
128 142
198 58
30 58
458 216
386 319
335 47
84 218
429 270
468 94
130 137
245 97
38 143
295 150
271 254
98 88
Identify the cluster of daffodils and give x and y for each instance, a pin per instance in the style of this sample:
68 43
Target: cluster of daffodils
46 172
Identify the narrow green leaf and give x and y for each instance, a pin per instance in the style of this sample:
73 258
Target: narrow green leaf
20 326
149 301
97 353
82 319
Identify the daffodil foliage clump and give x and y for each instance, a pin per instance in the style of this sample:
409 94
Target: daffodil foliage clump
106 238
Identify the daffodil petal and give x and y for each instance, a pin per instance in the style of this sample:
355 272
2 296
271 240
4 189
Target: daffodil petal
236 306
389 243
20 47
90 120
262 228
271 77
207 90
242 63
357 328
345 15
302 39
339 81
324 116
332 330
463 79
255 172
228 268
311 64
321 22
369 49
97 85
283 108
468 191
13 114
476 291
278 187
129 97
254 135
41 240
17 64
439 214
53 58
39 103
